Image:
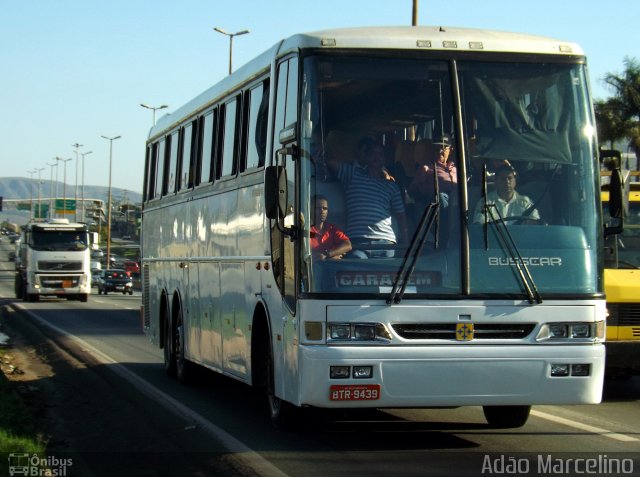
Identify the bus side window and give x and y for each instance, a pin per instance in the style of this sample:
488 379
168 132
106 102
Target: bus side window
160 169
186 168
172 164
230 124
208 141
256 139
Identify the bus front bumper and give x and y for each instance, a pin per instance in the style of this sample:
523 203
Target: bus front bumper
452 376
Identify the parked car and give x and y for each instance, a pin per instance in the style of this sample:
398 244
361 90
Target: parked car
115 280
95 276
130 266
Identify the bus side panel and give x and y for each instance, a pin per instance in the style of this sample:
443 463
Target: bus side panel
209 319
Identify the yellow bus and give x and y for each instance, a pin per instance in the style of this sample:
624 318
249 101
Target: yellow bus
622 287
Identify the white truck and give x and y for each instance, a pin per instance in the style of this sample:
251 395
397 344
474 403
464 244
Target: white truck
55 258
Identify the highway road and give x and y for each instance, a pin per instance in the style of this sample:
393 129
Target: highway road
377 443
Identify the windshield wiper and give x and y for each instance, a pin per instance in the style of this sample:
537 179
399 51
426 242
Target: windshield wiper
430 216
505 239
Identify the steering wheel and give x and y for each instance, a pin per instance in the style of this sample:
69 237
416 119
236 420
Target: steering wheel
523 219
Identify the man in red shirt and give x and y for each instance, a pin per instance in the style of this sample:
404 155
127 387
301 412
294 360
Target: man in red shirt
327 240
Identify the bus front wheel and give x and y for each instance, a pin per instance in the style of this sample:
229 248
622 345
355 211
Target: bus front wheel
505 417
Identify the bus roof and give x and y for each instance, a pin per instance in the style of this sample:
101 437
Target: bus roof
431 38
419 38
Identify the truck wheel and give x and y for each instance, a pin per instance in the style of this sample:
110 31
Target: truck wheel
18 287
84 297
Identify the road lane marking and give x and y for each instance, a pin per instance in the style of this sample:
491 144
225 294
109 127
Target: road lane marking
584 427
242 452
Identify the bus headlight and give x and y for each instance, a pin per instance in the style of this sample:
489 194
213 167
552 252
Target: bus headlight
360 332
571 331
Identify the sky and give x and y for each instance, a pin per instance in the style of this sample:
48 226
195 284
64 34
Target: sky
72 71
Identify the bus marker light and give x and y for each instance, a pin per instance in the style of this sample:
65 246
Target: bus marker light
580 369
559 370
362 372
339 372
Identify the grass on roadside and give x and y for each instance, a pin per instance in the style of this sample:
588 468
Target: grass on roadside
18 432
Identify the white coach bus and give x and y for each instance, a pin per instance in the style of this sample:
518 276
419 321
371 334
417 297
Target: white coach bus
504 312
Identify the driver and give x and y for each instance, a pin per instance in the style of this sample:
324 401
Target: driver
506 200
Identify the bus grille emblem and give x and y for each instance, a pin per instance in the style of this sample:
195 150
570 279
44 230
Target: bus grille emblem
464 331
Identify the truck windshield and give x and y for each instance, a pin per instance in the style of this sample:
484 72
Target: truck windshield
55 240
391 158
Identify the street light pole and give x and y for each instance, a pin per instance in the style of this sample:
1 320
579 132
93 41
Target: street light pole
31 173
153 108
40 169
230 35
110 139
64 186
51 199
76 146
83 217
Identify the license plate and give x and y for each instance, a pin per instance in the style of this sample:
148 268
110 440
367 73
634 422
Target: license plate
354 392
119 287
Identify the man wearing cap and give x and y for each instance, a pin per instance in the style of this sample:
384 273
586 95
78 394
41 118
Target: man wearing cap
507 201
422 187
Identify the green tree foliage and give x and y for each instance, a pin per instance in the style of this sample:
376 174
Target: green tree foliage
619 116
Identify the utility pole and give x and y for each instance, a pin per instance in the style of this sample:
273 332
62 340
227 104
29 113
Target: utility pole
414 16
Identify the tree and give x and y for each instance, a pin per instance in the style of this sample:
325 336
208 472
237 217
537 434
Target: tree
623 110
610 122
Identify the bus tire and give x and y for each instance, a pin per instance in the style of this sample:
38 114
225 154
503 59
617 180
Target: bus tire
84 297
506 417
184 367
168 349
284 415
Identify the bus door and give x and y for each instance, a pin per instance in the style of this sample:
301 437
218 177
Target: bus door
283 226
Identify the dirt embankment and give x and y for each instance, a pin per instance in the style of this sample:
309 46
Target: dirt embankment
89 414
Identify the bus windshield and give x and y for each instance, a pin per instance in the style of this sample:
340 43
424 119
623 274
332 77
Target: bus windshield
471 178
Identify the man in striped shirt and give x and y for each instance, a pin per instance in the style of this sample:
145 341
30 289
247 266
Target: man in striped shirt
372 201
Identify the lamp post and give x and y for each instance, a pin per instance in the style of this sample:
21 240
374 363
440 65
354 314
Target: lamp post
153 108
82 216
76 147
31 173
51 196
40 169
64 185
110 139
231 35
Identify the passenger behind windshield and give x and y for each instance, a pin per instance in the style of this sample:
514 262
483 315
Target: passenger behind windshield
372 199
327 240
506 201
422 187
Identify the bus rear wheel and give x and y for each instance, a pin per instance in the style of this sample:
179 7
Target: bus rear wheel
506 417
184 367
168 349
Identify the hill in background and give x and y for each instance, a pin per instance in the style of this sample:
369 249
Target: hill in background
20 188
